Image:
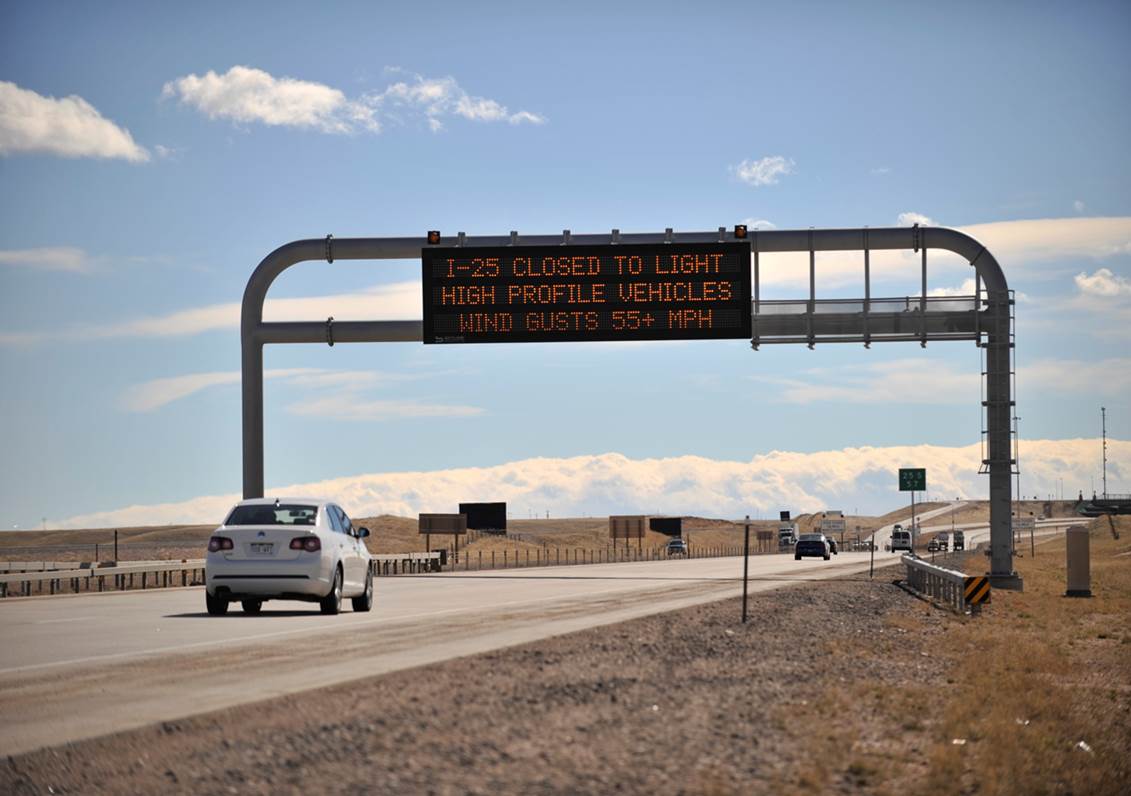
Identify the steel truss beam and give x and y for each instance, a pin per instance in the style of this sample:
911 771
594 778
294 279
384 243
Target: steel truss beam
992 320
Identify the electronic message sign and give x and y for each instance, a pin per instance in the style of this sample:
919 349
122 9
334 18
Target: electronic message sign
535 294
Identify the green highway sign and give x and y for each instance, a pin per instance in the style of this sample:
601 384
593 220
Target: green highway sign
912 479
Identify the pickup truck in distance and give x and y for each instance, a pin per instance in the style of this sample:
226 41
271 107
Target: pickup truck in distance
959 540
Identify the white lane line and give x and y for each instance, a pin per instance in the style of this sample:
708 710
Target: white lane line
67 619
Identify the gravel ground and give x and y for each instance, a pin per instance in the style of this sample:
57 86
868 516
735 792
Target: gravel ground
686 702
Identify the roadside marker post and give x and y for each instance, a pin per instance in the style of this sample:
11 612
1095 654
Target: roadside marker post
745 566
976 591
872 560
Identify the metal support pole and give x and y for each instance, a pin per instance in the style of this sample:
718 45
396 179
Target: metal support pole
745 566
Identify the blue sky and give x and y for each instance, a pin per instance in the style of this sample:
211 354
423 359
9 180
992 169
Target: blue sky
208 135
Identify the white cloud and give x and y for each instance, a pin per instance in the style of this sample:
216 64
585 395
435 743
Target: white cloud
394 302
759 223
764 171
1040 240
1103 283
967 288
925 381
160 392
245 95
902 381
1078 206
612 483
1107 377
69 127
338 394
351 406
440 97
47 258
911 219
881 170
1016 244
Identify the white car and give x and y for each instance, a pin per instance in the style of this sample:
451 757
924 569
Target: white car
288 549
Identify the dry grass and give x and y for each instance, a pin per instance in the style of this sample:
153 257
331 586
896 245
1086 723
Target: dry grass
1018 687
1040 673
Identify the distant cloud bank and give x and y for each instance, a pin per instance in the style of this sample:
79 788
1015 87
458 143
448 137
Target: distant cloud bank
69 127
245 95
863 478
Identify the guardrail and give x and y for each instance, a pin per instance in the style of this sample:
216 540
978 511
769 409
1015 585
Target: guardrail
956 590
123 576
90 576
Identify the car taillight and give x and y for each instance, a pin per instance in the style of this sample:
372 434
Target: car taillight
308 543
218 543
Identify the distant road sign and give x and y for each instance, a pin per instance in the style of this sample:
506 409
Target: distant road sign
537 294
627 526
1024 523
485 516
442 523
912 479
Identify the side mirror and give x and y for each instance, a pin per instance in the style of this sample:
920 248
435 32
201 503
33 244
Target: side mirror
362 533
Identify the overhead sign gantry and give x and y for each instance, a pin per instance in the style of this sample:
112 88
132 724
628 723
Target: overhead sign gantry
654 286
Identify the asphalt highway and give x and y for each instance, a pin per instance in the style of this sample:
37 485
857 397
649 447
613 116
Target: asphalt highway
74 667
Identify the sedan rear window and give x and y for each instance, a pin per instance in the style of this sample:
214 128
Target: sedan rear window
811 537
284 514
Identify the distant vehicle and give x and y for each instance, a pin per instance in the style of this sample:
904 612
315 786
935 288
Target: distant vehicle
933 546
959 540
900 540
812 545
287 549
944 541
787 535
832 544
676 547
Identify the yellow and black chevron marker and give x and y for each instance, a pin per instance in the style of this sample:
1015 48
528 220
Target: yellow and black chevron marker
977 590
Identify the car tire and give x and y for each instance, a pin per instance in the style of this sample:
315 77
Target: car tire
332 603
364 601
216 605
797 557
827 556
252 606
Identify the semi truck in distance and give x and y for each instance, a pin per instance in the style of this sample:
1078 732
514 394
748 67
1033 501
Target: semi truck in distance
787 532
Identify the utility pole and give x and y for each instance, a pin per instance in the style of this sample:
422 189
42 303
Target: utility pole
1103 415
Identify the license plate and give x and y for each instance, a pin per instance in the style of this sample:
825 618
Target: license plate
261 547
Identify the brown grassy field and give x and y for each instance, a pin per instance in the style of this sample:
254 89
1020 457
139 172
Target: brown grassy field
1032 697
